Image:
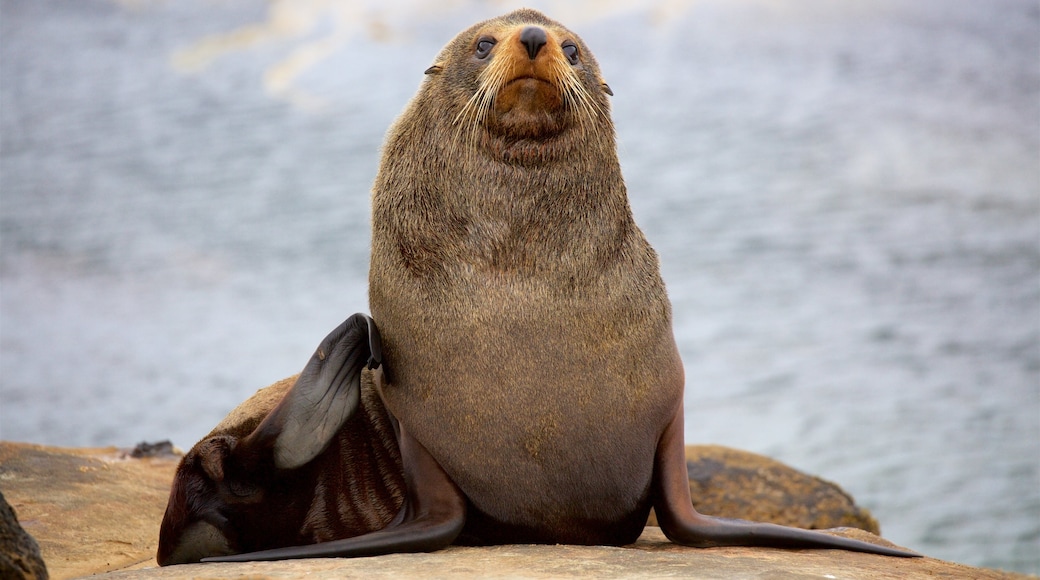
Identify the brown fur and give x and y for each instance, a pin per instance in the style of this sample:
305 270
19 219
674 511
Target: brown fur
355 486
526 330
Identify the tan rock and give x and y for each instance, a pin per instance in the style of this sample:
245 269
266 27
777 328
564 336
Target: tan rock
738 484
90 510
651 557
98 510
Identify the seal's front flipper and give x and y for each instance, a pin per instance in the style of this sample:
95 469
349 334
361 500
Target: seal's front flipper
432 517
325 395
683 525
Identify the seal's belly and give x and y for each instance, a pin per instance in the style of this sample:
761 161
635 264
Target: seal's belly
547 423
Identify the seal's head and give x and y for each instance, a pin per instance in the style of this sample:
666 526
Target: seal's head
521 86
196 522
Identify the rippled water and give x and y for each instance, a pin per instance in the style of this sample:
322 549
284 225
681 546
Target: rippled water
845 197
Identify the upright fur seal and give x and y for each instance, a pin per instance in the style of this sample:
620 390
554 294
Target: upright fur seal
527 353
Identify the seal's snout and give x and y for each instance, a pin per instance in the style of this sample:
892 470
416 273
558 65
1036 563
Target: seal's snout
534 38
532 82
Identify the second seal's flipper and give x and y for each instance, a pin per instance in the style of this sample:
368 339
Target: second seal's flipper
684 525
325 395
432 517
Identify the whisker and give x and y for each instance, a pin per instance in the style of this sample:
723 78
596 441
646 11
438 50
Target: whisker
583 104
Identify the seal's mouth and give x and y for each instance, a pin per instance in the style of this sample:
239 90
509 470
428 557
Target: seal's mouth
529 106
522 78
530 90
527 92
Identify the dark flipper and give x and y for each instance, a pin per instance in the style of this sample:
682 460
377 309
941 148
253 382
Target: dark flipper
325 395
684 525
433 514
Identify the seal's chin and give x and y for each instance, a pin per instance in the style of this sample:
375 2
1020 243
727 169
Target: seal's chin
529 107
199 540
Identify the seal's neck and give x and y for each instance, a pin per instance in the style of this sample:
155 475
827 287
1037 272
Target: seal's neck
441 204
559 217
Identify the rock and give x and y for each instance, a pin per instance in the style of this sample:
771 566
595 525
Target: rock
652 556
737 484
19 553
98 510
91 510
160 449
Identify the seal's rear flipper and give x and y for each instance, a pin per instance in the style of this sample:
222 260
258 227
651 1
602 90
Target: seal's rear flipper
683 525
325 395
432 517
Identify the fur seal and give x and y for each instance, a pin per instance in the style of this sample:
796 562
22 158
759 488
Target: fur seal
527 356
235 492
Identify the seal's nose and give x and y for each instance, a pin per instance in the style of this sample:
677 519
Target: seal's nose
534 39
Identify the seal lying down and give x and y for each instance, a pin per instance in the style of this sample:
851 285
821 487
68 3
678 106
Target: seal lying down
523 385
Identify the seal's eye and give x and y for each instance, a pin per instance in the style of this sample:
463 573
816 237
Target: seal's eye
484 46
570 50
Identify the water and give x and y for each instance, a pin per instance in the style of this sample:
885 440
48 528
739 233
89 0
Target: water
845 198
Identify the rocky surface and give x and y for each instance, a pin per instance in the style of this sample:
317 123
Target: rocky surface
90 510
19 553
652 556
97 511
737 484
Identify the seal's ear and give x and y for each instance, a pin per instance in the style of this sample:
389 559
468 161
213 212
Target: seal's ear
606 88
433 70
325 395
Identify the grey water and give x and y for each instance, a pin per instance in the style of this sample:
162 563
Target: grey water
845 197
